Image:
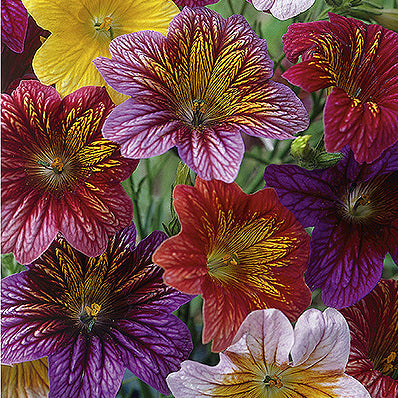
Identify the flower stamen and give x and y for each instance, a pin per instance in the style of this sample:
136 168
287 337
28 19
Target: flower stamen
273 381
227 259
390 365
105 25
198 114
56 165
89 315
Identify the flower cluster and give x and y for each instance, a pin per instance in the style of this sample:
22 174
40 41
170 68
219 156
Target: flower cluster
106 104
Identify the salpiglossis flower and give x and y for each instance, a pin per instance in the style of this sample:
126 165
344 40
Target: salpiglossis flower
25 379
258 363
82 30
14 22
240 252
197 89
94 317
58 173
358 63
282 9
373 323
354 209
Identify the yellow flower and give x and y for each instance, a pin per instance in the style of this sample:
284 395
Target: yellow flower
82 30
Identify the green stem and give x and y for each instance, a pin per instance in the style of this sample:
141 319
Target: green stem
279 61
230 6
243 8
136 212
145 389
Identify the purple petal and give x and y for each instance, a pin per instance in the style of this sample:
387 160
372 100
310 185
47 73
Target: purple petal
305 193
30 327
142 130
127 236
14 22
212 153
344 262
152 345
85 368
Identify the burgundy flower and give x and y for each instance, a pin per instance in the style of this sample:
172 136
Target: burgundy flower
373 323
16 67
58 173
197 89
194 3
354 209
359 65
14 22
94 317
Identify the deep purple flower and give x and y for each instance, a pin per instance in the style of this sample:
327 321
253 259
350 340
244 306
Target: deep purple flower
197 89
14 22
94 317
354 209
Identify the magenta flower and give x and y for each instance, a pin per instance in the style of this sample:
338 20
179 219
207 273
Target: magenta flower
354 209
14 22
373 323
58 173
94 317
359 65
197 89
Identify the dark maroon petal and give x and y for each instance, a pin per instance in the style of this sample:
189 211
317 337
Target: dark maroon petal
14 22
30 328
16 67
86 368
346 262
153 344
194 3
307 194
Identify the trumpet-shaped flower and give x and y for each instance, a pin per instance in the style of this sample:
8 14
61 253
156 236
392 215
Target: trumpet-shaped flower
358 63
14 22
240 252
58 173
283 9
373 323
354 209
197 89
94 317
268 358
82 30
25 379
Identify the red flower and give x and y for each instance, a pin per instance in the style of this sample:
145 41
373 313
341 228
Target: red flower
359 65
58 173
241 252
373 323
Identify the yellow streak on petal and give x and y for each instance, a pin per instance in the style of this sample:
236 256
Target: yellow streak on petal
25 380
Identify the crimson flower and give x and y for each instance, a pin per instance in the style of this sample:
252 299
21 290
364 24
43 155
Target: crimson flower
58 173
197 89
240 252
373 323
95 317
358 63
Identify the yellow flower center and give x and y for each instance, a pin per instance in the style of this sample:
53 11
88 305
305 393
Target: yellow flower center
56 165
274 381
224 261
105 26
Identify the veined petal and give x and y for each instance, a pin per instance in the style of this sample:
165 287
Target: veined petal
25 379
152 345
283 9
14 22
214 153
85 368
344 262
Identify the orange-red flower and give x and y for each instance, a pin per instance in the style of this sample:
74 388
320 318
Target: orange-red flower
241 252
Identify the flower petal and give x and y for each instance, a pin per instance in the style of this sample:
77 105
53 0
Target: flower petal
283 9
85 368
152 344
14 22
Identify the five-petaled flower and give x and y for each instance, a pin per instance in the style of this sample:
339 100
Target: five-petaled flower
282 9
82 30
197 89
359 65
258 363
94 317
14 23
241 252
58 173
354 209
373 323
